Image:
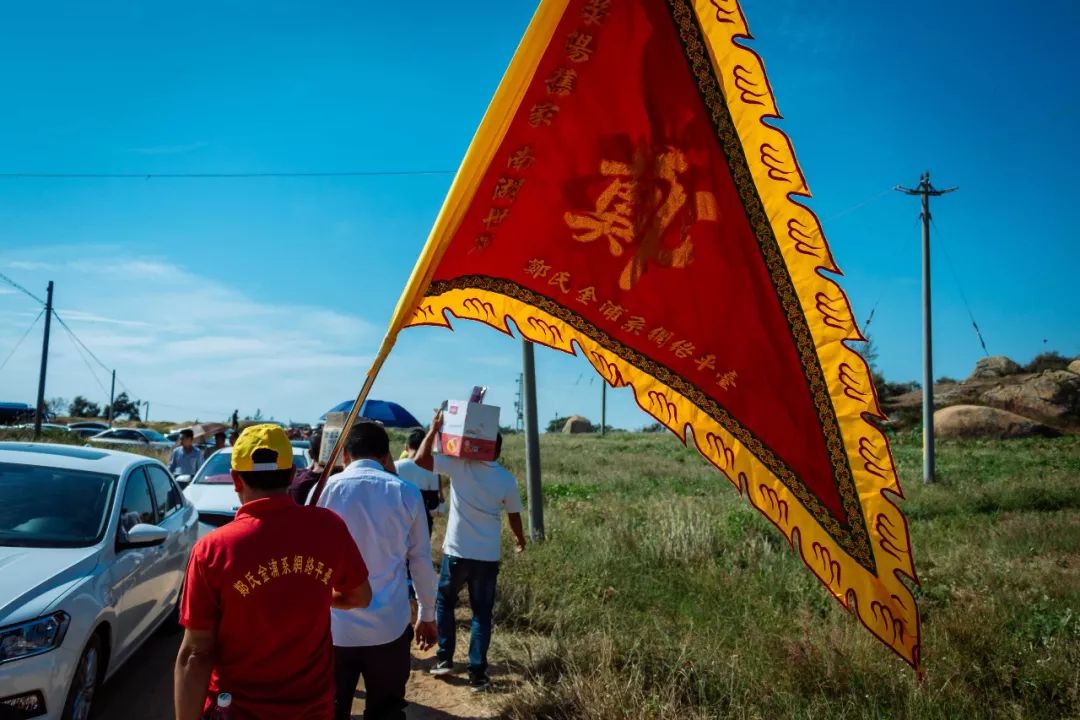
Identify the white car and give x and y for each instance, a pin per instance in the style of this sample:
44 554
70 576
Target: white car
94 544
211 490
138 437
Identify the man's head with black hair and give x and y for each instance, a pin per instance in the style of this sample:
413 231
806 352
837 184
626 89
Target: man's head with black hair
316 447
368 441
187 437
219 439
412 443
266 480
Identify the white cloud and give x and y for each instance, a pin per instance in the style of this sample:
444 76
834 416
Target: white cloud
163 327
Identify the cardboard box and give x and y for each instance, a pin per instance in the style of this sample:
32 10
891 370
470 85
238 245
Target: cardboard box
469 430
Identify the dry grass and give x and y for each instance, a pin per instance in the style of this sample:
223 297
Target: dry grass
660 594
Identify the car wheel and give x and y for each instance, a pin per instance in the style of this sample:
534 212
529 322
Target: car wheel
85 683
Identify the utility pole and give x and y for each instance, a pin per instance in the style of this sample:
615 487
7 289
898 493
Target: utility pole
926 191
519 408
38 417
112 398
603 407
146 416
532 443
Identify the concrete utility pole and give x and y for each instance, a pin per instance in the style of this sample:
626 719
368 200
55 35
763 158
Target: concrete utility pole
146 416
112 398
39 415
603 406
532 443
519 408
926 191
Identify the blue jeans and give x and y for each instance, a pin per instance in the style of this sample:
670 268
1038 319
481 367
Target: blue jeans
480 576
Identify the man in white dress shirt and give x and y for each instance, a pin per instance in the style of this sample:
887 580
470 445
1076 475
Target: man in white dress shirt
387 518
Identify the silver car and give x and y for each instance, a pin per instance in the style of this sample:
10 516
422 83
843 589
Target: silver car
127 437
94 545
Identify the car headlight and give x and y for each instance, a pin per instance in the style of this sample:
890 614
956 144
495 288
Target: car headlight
34 637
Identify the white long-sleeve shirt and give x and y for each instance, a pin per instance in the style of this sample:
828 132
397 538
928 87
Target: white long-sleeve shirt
387 519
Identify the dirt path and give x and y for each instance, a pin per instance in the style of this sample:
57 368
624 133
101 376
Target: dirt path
432 698
142 690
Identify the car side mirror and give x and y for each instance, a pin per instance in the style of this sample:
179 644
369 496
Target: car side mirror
183 480
143 535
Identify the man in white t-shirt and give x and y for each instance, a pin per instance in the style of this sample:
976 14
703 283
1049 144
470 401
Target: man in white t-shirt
479 493
427 481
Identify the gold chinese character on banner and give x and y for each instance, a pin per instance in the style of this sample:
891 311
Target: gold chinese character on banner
562 81
595 11
543 114
579 47
637 208
611 311
660 336
708 362
482 241
521 159
682 348
495 216
506 188
561 280
634 324
727 380
587 295
537 268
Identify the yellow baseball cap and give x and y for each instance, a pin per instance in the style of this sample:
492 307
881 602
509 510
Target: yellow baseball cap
262 437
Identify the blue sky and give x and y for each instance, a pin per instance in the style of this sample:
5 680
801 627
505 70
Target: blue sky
209 295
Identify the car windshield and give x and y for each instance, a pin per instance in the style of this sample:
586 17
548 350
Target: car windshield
154 436
216 470
52 507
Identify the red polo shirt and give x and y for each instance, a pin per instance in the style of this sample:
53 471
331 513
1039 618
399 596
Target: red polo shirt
263 583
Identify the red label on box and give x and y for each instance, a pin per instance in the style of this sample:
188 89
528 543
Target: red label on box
467 448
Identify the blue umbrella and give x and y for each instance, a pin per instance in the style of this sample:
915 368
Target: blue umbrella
390 414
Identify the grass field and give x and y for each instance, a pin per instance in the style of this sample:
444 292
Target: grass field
661 594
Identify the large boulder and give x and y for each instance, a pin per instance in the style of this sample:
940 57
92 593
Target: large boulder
1052 397
975 421
1074 366
576 425
994 367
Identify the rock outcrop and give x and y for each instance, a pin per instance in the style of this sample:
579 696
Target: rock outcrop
994 367
1052 397
974 421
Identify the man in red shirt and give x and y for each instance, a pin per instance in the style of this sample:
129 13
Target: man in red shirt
257 597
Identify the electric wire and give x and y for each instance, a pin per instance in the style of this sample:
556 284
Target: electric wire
76 342
22 339
21 289
215 175
847 211
960 288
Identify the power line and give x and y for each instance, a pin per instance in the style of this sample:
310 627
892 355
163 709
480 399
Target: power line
959 287
76 338
22 339
213 175
76 342
847 211
21 289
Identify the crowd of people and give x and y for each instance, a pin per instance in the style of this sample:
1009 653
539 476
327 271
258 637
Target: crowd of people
326 577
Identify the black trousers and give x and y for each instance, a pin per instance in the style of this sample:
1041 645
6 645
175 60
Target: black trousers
385 669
